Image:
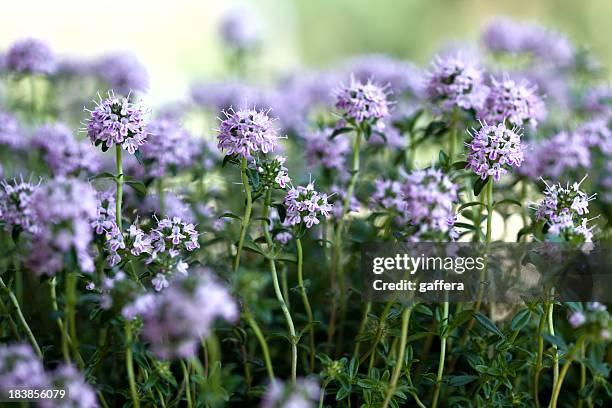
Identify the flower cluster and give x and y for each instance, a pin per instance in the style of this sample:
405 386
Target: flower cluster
176 319
16 206
105 225
429 198
20 369
363 101
594 316
517 103
388 197
122 72
330 153
564 211
169 148
305 206
63 154
241 28
303 394
338 193
273 173
494 149
246 132
11 134
222 96
117 121
79 394
30 56
62 208
455 82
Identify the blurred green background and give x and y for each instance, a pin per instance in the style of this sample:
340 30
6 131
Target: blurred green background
179 44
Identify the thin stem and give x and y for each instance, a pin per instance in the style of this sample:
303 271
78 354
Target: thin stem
322 395
300 261
489 193
277 289
247 212
4 309
21 318
539 355
443 338
362 326
262 341
129 364
400 357
379 333
70 295
119 181
186 381
551 330
60 323
583 373
557 388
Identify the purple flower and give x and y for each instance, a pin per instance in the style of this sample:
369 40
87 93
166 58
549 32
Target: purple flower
79 394
63 208
363 101
455 82
598 100
105 224
172 235
246 132
169 148
330 153
20 368
176 318
577 319
174 206
303 394
241 28
337 195
429 198
16 205
122 72
493 150
63 153
388 197
273 173
564 211
30 56
117 121
597 134
305 206
11 134
223 96
518 103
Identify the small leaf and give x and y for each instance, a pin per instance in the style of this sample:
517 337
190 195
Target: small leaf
479 185
253 247
231 215
340 131
138 186
466 226
555 341
104 175
488 324
282 211
460 165
460 380
443 158
520 320
138 156
470 204
507 201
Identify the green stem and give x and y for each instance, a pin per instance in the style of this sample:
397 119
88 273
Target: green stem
583 373
119 181
247 212
129 364
186 381
557 387
262 341
489 193
322 395
362 326
300 261
551 330
277 289
379 333
539 356
4 309
21 318
400 357
70 294
60 323
443 337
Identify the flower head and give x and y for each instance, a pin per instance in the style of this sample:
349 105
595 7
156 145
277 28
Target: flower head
306 206
16 205
429 198
303 394
455 82
79 394
10 131
241 28
518 103
577 319
169 148
20 368
330 153
30 56
117 121
105 225
494 149
362 101
273 173
246 132
122 72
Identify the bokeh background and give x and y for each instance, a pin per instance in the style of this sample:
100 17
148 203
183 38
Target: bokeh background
179 44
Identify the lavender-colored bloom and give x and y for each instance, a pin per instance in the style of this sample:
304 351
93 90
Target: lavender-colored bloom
337 196
283 237
273 173
246 132
363 101
597 134
329 153
577 319
518 103
169 148
174 206
122 72
79 394
105 224
63 153
30 56
16 205
305 206
388 196
117 121
429 198
11 134
564 210
241 28
71 67
303 394
493 150
171 236
597 307
552 158
63 208
180 315
20 368
455 82
598 100
222 96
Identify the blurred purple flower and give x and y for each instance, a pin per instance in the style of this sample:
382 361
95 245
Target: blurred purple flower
598 100
11 133
79 394
122 72
303 394
363 101
117 121
233 93
329 153
241 28
30 56
247 131
337 196
169 148
20 368
16 205
105 224
174 206
577 319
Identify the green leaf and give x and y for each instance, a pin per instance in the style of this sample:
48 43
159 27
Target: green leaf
443 158
436 128
460 380
253 247
138 186
282 211
507 201
286 257
520 320
460 165
470 204
555 341
465 225
231 215
488 324
104 175
340 131
421 308
138 156
479 185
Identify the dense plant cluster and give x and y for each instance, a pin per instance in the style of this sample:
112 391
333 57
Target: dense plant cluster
218 262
